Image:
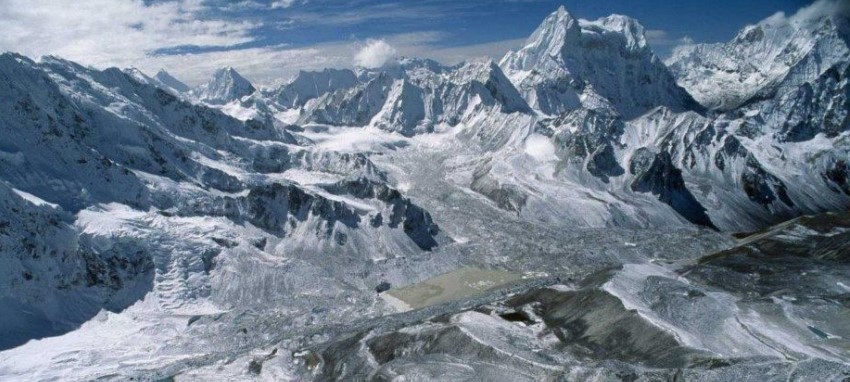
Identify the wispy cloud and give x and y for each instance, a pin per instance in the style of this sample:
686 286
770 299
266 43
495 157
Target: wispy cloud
108 32
274 64
284 3
663 43
344 14
191 38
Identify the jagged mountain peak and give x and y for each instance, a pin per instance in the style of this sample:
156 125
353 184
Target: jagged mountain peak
778 52
565 57
138 75
302 74
13 55
548 40
59 62
403 67
162 79
560 37
226 85
228 73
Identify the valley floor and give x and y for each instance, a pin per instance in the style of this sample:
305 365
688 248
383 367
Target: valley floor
633 274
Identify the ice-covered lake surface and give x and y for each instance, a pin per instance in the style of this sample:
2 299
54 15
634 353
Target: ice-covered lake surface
448 287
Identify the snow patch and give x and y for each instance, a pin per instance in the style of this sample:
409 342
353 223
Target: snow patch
540 148
34 199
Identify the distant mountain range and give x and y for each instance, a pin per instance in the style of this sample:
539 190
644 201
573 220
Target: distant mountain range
253 214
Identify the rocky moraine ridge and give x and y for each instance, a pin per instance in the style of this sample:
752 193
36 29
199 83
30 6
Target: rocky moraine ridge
564 213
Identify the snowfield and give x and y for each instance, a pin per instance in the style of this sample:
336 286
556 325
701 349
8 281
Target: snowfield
579 210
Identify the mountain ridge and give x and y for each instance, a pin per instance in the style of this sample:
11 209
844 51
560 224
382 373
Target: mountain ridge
229 232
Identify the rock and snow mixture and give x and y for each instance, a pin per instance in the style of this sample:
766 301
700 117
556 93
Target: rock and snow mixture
153 231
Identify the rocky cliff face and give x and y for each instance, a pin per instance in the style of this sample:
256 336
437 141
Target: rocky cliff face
229 233
739 152
567 63
109 180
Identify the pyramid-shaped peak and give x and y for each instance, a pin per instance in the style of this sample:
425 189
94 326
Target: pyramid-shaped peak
565 57
225 85
228 71
562 14
560 19
549 39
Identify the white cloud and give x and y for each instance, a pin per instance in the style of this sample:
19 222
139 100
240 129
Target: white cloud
823 8
269 66
262 66
282 4
655 34
663 44
128 33
374 54
659 38
111 32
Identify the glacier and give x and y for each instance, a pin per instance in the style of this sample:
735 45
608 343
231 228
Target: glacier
625 217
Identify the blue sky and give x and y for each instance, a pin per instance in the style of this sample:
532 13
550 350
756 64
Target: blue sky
478 21
269 40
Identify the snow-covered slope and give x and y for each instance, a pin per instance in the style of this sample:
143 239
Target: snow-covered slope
226 85
569 63
409 96
53 277
229 233
309 85
114 190
780 51
170 82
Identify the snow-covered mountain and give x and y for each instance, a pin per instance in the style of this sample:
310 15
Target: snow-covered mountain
586 105
226 85
773 158
310 85
162 80
413 96
167 80
149 231
569 63
108 184
772 56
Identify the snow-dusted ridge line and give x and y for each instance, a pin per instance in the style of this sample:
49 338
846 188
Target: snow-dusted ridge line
145 225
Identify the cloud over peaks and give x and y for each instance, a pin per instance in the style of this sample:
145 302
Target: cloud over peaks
374 54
